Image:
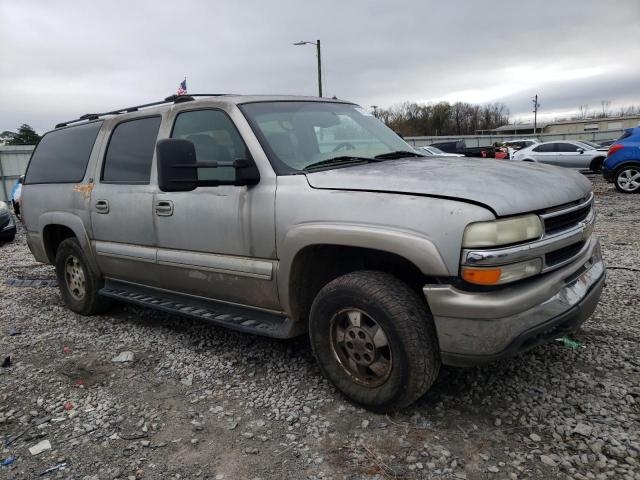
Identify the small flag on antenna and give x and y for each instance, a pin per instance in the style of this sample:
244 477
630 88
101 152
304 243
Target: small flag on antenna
182 89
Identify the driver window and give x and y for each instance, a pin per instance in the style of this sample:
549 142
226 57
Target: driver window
214 137
567 147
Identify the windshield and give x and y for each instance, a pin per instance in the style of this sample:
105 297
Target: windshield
589 144
298 134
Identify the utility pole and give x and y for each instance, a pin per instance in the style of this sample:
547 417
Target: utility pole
319 70
535 113
318 53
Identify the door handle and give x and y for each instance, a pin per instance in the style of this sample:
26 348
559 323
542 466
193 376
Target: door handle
102 206
164 208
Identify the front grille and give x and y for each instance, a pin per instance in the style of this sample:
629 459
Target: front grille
566 220
562 254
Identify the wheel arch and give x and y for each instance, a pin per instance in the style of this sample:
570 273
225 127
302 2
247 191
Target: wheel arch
596 163
626 163
307 264
58 226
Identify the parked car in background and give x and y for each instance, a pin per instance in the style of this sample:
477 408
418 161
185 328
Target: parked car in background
436 152
451 146
7 224
459 147
590 144
622 166
16 193
563 153
520 143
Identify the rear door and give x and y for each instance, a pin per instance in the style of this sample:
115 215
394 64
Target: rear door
122 202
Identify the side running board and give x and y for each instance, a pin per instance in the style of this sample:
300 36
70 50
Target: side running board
230 316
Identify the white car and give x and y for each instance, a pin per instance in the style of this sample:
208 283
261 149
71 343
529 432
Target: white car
436 152
563 153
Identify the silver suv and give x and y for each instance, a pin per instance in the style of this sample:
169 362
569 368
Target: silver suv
285 215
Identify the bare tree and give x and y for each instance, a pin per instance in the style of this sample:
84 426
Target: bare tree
605 107
443 118
583 111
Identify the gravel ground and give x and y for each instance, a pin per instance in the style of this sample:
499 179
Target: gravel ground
198 401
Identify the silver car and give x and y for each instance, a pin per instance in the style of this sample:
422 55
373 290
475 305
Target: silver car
436 152
281 216
563 153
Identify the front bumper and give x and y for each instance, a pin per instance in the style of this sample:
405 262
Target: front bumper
479 327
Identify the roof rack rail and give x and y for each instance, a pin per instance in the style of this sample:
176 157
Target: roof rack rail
169 99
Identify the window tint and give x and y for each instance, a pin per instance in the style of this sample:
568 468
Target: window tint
130 151
566 147
626 134
215 139
545 147
62 155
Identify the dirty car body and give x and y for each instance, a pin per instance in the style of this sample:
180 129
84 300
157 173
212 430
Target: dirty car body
273 215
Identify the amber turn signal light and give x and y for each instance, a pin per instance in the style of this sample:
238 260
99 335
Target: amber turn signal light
482 276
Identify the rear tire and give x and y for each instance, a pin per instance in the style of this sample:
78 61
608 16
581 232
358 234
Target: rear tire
78 282
389 354
596 165
627 179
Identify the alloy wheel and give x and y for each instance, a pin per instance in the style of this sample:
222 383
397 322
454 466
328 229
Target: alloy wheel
74 276
629 179
361 347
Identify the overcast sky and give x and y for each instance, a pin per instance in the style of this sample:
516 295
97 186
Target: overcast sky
60 59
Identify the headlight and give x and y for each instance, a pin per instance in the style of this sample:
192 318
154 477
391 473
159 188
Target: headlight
502 232
502 274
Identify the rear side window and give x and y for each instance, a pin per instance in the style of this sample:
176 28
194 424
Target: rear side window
130 151
626 134
546 147
62 155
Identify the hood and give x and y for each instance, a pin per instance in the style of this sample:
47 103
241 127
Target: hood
503 186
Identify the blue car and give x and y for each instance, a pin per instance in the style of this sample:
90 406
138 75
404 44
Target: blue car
622 166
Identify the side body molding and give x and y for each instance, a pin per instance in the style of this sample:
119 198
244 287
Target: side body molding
416 248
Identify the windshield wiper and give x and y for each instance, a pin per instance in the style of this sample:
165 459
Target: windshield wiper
397 154
341 160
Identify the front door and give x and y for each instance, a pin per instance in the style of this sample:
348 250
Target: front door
122 203
217 242
570 156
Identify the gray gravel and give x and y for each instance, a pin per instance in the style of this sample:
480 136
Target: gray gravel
141 394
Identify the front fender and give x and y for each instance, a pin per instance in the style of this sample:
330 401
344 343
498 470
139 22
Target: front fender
416 248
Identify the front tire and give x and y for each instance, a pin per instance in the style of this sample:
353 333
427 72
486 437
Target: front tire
627 179
375 340
78 283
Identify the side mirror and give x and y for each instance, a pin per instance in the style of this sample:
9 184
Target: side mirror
580 150
178 168
176 165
